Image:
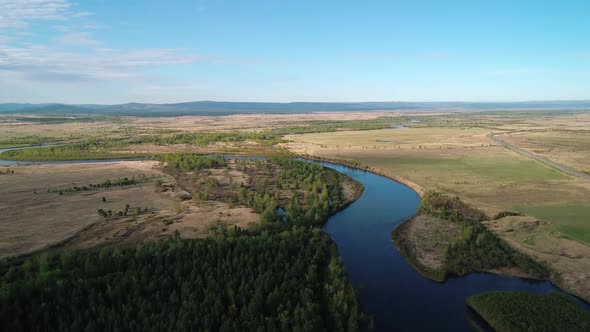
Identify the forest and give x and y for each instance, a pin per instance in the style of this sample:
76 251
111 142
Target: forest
523 311
315 192
189 162
271 281
477 249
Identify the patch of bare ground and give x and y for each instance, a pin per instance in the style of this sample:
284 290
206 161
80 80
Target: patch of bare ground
191 222
569 260
351 189
33 218
423 240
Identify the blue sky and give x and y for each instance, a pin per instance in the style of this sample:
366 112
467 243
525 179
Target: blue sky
104 51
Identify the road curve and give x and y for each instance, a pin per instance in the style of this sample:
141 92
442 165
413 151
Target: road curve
548 162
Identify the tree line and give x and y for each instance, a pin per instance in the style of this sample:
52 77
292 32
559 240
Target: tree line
119 182
270 281
107 148
190 162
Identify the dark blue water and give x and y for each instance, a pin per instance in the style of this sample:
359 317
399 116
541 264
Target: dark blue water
396 295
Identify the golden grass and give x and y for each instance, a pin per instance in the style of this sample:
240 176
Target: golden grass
570 148
453 160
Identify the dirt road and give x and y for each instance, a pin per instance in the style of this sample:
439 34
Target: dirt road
551 163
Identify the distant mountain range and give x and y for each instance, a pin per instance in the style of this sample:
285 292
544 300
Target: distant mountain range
225 108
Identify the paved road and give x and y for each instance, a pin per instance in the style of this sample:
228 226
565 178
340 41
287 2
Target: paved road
544 160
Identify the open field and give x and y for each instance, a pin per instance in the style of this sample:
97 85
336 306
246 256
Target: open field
19 128
453 160
571 148
33 218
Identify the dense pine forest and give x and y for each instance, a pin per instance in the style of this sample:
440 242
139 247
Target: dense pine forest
288 280
522 311
284 274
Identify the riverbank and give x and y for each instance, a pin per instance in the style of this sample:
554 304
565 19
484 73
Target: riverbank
399 179
423 240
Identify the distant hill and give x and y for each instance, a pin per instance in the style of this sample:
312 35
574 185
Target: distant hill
225 108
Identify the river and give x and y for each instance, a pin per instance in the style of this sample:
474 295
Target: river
398 297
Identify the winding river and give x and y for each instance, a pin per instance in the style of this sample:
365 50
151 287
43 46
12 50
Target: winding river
397 296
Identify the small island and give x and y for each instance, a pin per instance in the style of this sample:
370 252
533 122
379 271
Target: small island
447 237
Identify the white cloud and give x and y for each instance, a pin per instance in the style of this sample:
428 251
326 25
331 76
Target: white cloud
38 62
77 39
19 13
54 61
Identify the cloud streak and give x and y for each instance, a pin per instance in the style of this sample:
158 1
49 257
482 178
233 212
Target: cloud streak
45 63
17 14
74 55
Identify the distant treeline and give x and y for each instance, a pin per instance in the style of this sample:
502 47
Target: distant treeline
292 280
108 148
79 151
142 178
203 139
328 126
190 162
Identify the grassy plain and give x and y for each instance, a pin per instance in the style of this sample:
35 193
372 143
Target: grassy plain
467 163
570 148
33 218
34 215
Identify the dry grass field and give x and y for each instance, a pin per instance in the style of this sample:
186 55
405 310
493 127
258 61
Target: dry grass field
467 163
100 127
539 240
33 218
570 148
